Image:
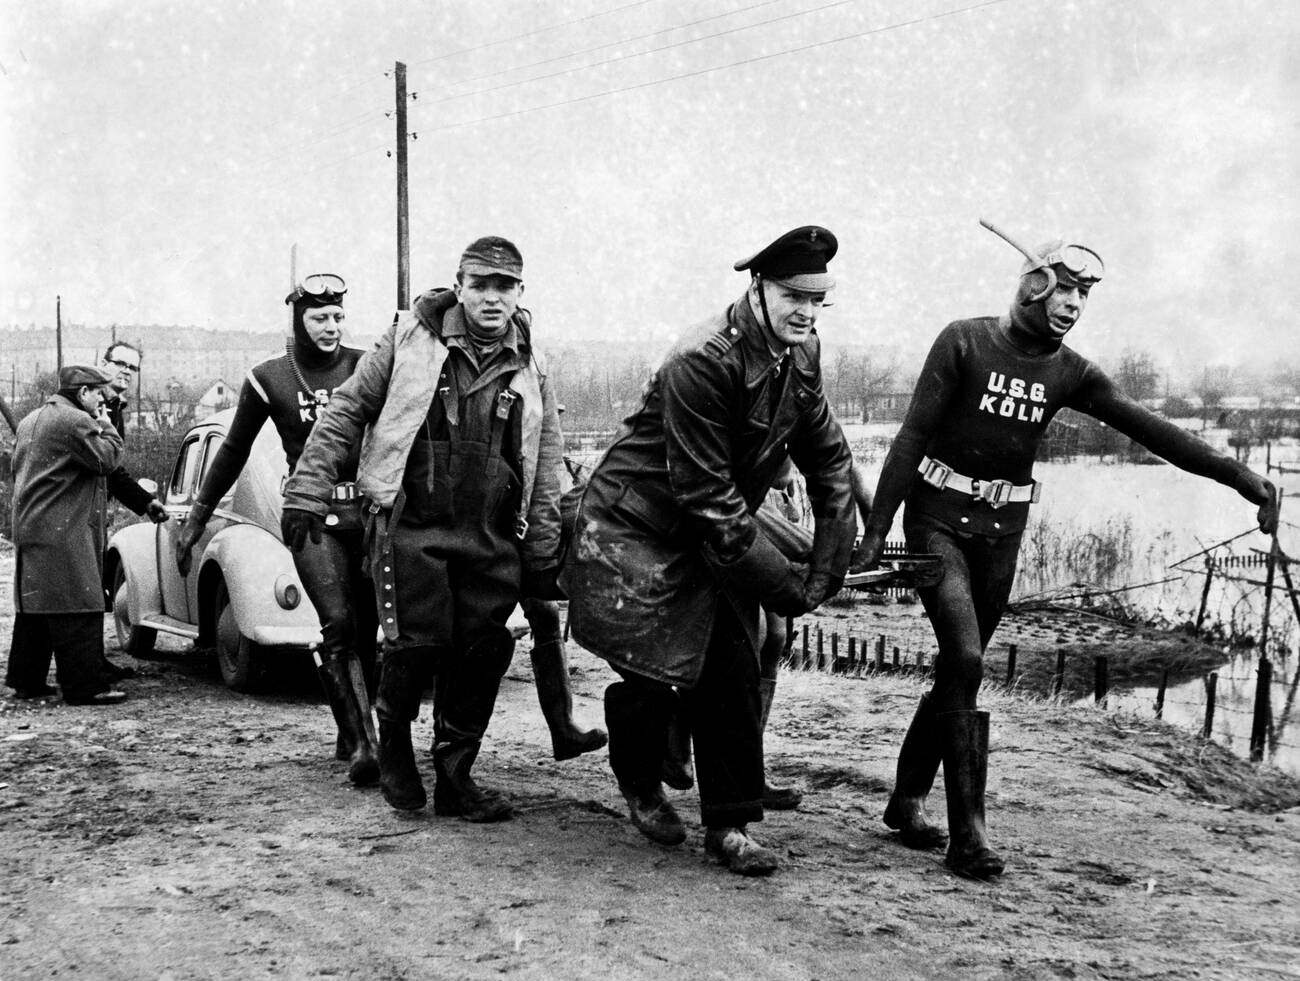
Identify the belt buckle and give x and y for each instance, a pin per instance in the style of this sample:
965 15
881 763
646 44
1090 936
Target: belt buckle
346 491
996 492
521 527
936 474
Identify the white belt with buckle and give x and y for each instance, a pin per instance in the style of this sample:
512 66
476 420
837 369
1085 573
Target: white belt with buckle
996 492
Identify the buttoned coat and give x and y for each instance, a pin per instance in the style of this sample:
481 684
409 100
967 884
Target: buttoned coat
673 499
62 457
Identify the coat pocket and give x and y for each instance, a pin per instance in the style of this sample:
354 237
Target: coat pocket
662 519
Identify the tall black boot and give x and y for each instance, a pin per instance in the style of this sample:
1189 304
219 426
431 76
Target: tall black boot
351 715
918 762
965 738
638 734
401 683
678 771
551 676
465 694
774 798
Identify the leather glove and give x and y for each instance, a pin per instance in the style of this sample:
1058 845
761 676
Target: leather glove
296 526
542 584
1260 490
155 512
186 540
867 554
819 587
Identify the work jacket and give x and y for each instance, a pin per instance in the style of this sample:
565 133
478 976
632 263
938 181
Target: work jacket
668 514
384 404
61 459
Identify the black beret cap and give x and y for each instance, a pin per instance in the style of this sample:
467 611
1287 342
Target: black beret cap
797 259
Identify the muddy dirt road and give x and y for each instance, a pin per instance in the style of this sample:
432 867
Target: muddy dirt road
195 833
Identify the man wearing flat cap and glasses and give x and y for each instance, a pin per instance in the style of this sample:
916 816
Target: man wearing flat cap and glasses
668 566
460 469
63 453
963 463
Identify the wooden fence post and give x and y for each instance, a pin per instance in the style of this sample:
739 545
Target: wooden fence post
805 647
821 651
1101 679
1058 677
1211 687
1160 694
1263 710
835 652
880 654
1011 665
1205 592
895 660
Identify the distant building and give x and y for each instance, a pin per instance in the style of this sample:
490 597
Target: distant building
219 396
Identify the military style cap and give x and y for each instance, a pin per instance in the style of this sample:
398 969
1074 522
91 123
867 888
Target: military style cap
492 256
796 260
76 375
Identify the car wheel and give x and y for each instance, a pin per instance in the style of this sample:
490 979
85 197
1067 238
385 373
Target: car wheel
238 658
132 638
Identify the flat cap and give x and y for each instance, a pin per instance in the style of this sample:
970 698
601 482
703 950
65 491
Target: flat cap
797 259
76 375
492 256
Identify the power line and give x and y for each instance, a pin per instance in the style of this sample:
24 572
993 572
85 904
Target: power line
610 44
717 68
540 30
648 51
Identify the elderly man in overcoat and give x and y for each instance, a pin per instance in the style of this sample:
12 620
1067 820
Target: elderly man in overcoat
63 453
668 566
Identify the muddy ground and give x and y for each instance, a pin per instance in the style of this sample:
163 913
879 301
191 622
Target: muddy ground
195 833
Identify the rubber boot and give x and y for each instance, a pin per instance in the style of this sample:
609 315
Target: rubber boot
551 676
465 694
397 704
678 771
774 798
354 726
965 737
638 724
918 762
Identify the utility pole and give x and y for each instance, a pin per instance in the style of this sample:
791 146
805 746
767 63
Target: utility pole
58 333
403 202
293 267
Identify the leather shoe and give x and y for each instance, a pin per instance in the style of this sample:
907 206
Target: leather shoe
41 691
654 817
117 672
739 852
99 698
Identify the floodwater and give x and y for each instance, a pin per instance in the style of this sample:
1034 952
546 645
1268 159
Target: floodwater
1159 515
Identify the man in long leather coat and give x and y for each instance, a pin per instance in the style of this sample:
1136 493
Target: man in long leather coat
668 566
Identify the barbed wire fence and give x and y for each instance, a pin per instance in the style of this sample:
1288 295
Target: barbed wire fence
1248 606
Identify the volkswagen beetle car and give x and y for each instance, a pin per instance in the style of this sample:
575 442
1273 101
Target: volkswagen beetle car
242 597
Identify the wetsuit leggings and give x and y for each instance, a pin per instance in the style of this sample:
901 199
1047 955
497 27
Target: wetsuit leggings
344 599
967 605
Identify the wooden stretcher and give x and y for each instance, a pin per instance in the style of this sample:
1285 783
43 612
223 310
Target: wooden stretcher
911 570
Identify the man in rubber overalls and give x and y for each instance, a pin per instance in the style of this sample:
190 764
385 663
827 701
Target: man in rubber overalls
963 461
668 565
460 467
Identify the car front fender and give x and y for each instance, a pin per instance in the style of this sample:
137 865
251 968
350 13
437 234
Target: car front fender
251 560
134 550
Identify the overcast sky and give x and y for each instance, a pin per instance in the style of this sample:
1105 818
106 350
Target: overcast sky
160 159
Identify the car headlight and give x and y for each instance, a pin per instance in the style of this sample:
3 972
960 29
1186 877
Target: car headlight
287 593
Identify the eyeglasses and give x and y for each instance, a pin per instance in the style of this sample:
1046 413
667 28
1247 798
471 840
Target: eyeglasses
325 285
1081 263
124 365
